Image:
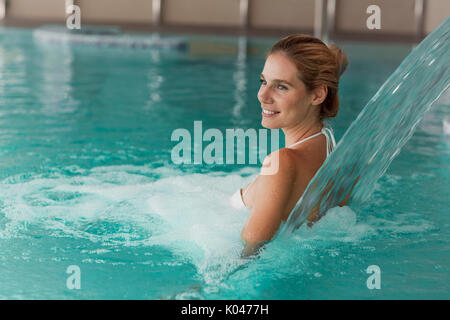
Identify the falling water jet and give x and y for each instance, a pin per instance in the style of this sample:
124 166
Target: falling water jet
374 139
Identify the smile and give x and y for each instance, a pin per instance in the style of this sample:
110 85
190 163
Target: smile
268 113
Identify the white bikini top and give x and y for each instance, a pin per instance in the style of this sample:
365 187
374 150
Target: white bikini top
236 199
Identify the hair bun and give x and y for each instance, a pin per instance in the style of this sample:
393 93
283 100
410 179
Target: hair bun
341 58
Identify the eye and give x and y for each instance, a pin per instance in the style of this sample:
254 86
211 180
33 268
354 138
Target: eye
281 87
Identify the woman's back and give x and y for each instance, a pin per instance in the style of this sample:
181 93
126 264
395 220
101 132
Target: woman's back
308 156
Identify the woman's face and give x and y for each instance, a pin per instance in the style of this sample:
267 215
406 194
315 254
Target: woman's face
285 101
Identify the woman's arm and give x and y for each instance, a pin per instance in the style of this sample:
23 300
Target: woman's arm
273 193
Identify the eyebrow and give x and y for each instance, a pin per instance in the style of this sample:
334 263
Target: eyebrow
280 81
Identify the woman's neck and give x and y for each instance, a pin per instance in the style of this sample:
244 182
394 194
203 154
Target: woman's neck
300 131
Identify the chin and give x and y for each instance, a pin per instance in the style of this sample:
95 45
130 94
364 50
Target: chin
269 124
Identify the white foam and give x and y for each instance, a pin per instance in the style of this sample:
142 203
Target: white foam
195 218
202 224
338 224
189 214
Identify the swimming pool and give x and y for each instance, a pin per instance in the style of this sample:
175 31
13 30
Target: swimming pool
86 179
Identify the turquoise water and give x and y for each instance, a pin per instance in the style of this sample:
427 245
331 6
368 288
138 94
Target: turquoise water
86 179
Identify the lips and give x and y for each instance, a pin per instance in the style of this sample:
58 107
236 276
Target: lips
269 113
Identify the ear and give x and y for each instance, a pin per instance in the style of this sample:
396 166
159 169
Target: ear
319 94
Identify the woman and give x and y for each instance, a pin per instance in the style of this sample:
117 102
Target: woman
298 91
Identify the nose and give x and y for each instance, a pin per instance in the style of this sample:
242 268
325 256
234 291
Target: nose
264 95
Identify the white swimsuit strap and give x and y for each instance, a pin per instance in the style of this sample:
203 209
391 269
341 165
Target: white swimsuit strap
306 139
326 131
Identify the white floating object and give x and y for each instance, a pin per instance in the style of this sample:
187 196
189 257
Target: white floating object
105 37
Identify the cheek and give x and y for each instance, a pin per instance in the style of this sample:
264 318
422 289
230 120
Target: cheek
295 106
291 103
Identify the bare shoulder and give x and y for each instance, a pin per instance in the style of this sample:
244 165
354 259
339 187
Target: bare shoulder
280 164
